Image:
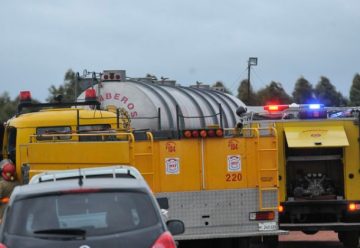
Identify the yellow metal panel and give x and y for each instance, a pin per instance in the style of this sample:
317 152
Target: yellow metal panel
179 165
312 136
78 153
225 163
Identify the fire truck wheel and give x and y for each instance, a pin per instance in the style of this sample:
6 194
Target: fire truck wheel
349 239
271 241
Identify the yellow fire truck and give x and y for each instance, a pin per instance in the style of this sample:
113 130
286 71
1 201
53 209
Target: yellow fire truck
221 182
319 167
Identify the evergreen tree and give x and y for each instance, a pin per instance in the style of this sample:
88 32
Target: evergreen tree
8 107
273 93
326 94
67 90
246 94
220 84
355 91
303 92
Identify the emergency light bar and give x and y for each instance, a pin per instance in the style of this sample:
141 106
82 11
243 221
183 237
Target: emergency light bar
25 101
306 111
275 107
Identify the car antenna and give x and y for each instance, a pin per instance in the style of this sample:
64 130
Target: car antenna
80 178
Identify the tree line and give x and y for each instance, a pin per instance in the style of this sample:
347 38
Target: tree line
304 92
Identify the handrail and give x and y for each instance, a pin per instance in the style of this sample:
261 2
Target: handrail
34 137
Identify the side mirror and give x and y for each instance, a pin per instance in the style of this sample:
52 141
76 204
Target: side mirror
175 226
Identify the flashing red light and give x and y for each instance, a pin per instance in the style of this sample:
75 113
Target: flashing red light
117 77
187 134
211 133
164 241
195 133
106 77
203 133
219 132
90 95
25 96
276 107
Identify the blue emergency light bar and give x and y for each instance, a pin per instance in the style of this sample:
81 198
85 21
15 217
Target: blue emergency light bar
315 106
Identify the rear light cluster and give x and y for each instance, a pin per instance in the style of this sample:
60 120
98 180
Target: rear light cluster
111 76
2 245
164 241
203 133
354 207
264 215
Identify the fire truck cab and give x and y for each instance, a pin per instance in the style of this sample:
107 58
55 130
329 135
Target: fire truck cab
319 167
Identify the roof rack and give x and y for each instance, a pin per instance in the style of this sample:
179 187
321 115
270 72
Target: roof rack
84 174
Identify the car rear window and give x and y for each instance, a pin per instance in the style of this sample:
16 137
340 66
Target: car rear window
97 213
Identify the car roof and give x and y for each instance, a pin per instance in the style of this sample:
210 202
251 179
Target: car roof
80 183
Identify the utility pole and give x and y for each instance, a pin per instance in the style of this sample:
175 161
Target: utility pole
251 62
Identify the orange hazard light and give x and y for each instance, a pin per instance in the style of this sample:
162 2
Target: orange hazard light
353 207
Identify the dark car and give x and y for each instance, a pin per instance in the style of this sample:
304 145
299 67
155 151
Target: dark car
81 212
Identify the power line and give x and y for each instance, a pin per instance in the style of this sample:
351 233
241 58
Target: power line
234 85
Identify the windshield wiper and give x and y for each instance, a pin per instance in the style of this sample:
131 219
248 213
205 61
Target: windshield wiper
72 233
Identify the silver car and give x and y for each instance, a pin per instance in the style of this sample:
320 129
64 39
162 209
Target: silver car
101 207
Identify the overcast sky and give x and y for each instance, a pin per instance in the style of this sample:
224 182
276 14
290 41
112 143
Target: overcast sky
184 40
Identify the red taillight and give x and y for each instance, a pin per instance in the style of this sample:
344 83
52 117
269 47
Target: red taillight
90 95
219 133
211 133
25 96
266 215
164 241
195 133
2 245
187 134
203 133
276 107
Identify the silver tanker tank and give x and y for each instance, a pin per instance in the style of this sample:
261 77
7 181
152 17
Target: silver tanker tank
155 105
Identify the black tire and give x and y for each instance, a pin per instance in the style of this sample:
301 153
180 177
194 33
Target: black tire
271 241
349 239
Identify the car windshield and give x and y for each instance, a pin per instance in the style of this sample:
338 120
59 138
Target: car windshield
95 213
